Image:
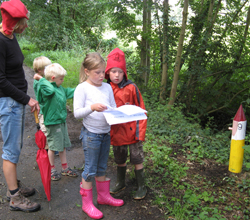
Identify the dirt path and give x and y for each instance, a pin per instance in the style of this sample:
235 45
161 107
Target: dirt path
65 197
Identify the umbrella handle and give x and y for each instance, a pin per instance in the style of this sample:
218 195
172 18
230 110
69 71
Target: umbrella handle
36 116
49 206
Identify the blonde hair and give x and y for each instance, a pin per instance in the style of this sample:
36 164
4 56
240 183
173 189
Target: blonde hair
91 61
55 70
39 63
22 21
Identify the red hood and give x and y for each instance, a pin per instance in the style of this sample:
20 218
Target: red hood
116 58
12 11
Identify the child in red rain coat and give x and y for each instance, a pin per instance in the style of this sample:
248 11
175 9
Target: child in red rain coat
129 134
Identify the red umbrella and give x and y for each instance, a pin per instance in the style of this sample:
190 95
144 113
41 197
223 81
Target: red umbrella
42 159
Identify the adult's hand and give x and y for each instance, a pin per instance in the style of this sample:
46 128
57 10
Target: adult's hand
34 105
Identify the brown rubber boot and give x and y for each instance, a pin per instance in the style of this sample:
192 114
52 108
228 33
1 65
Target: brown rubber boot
19 203
25 191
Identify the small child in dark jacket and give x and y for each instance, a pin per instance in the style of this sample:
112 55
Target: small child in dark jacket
129 134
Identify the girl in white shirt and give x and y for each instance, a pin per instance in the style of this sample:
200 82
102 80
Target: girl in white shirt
91 98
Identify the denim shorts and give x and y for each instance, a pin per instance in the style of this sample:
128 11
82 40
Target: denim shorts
12 116
96 152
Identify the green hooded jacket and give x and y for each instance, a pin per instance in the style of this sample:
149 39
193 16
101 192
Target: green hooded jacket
35 87
53 101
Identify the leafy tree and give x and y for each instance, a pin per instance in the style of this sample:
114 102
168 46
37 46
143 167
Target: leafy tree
60 24
214 65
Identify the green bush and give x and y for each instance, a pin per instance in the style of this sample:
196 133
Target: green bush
27 47
186 131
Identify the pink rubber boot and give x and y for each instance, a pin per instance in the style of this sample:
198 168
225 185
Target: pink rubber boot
87 204
103 195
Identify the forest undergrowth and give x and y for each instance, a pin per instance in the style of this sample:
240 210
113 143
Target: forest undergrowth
188 168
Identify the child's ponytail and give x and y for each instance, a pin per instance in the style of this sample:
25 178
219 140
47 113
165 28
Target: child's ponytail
82 76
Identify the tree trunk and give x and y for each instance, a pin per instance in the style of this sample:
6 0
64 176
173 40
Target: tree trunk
164 75
58 7
145 42
178 56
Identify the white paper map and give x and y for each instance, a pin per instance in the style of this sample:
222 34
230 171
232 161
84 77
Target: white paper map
124 113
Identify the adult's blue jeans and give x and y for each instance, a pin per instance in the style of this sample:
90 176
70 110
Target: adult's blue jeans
96 152
12 116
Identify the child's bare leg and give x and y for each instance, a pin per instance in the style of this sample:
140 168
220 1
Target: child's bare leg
62 156
138 166
122 165
54 175
86 185
101 178
51 157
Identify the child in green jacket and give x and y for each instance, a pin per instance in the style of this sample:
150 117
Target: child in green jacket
53 97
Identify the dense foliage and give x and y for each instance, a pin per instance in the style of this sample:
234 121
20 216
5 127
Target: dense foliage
213 76
66 24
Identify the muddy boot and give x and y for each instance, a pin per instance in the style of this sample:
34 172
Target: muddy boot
87 203
103 194
141 190
19 203
120 182
25 191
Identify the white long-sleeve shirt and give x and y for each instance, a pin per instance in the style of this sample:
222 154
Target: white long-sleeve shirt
85 95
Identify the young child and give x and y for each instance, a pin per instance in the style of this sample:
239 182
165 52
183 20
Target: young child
127 134
39 65
53 97
91 97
